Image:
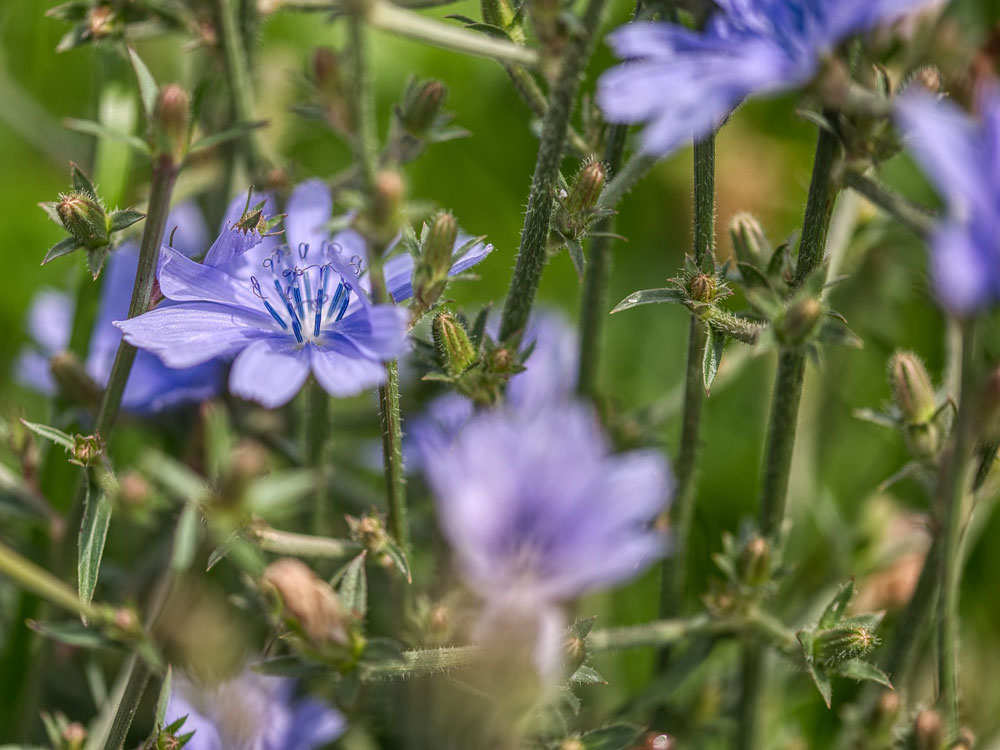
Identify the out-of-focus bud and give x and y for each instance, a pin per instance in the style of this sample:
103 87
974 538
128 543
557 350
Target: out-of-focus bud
926 77
325 67
421 107
73 380
126 621
572 743
439 621
73 736
369 531
799 321
452 341
430 276
87 449
85 218
966 740
247 462
387 204
989 408
749 241
172 120
549 25
133 490
840 644
886 710
911 387
586 188
702 287
755 562
326 72
308 600
928 731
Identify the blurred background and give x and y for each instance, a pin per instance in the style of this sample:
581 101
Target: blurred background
841 525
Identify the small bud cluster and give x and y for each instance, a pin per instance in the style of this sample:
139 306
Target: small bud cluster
430 274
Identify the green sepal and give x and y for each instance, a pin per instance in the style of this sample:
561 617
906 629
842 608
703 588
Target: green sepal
651 296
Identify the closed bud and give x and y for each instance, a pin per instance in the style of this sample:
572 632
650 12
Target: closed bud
73 736
886 709
309 601
928 731
133 490
326 69
387 202
966 740
369 531
750 244
572 743
452 341
841 644
85 218
438 245
799 321
101 21
87 449
172 120
422 106
73 380
755 562
911 388
586 189
926 77
701 287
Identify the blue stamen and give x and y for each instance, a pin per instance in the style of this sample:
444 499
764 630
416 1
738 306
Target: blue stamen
336 299
343 305
319 312
274 314
255 285
296 326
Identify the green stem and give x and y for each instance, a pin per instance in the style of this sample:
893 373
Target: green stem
302 545
780 440
914 217
703 240
38 580
392 457
594 300
389 17
951 505
237 66
532 254
634 170
138 679
317 434
532 95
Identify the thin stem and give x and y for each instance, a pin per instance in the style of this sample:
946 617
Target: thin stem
138 678
634 170
302 545
532 95
780 440
237 67
38 580
914 217
950 497
532 254
594 300
392 456
317 434
703 240
388 17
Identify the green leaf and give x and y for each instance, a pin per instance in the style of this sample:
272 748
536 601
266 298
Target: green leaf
237 131
353 590
753 276
93 534
81 183
148 90
278 494
581 628
612 737
50 433
61 248
862 671
650 297
713 356
96 256
877 417
96 129
585 675
834 611
575 250
381 650
72 11
173 476
72 634
395 553
822 681
125 218
186 538
163 698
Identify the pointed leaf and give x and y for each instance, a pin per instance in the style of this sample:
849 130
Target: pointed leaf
163 698
93 534
395 553
613 737
581 628
911 469
353 590
98 130
279 493
148 90
383 650
649 297
877 417
124 218
61 248
575 250
186 538
72 634
237 131
834 611
51 209
81 183
753 276
50 433
713 356
822 680
96 256
862 671
585 675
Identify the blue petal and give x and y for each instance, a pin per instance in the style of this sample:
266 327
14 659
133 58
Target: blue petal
309 210
377 332
183 280
344 373
270 372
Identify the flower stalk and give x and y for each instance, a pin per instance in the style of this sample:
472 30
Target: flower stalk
237 67
317 435
531 255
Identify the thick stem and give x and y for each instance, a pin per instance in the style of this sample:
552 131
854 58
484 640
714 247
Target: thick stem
780 441
237 67
317 434
594 300
531 255
951 505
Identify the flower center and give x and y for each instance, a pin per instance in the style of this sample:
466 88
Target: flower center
294 305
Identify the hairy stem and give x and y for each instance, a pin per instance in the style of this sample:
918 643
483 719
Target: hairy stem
302 545
317 434
914 217
531 255
634 170
237 66
38 580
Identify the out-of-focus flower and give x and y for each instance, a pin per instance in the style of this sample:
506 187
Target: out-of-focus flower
539 511
683 83
252 712
961 157
151 387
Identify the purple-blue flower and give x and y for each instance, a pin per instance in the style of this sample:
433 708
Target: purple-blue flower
683 83
252 712
962 158
151 387
539 511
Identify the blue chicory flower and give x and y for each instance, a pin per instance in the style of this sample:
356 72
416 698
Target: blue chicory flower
252 712
683 83
151 387
962 158
539 511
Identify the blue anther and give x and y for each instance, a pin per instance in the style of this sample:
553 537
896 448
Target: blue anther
336 299
274 314
319 312
343 305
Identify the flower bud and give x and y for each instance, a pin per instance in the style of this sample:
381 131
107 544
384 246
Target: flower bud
439 244
309 601
422 106
387 202
911 388
841 644
926 77
928 731
749 241
73 380
133 490
325 67
701 287
572 743
586 189
799 321
101 21
172 119
87 449
886 710
73 736
755 562
452 341
369 531
85 218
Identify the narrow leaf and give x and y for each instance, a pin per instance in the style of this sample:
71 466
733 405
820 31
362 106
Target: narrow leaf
50 433
148 90
834 611
93 534
124 218
61 248
822 680
575 250
71 633
164 697
96 256
186 538
81 183
713 356
353 590
96 129
613 737
649 297
237 131
862 671
395 553
279 494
